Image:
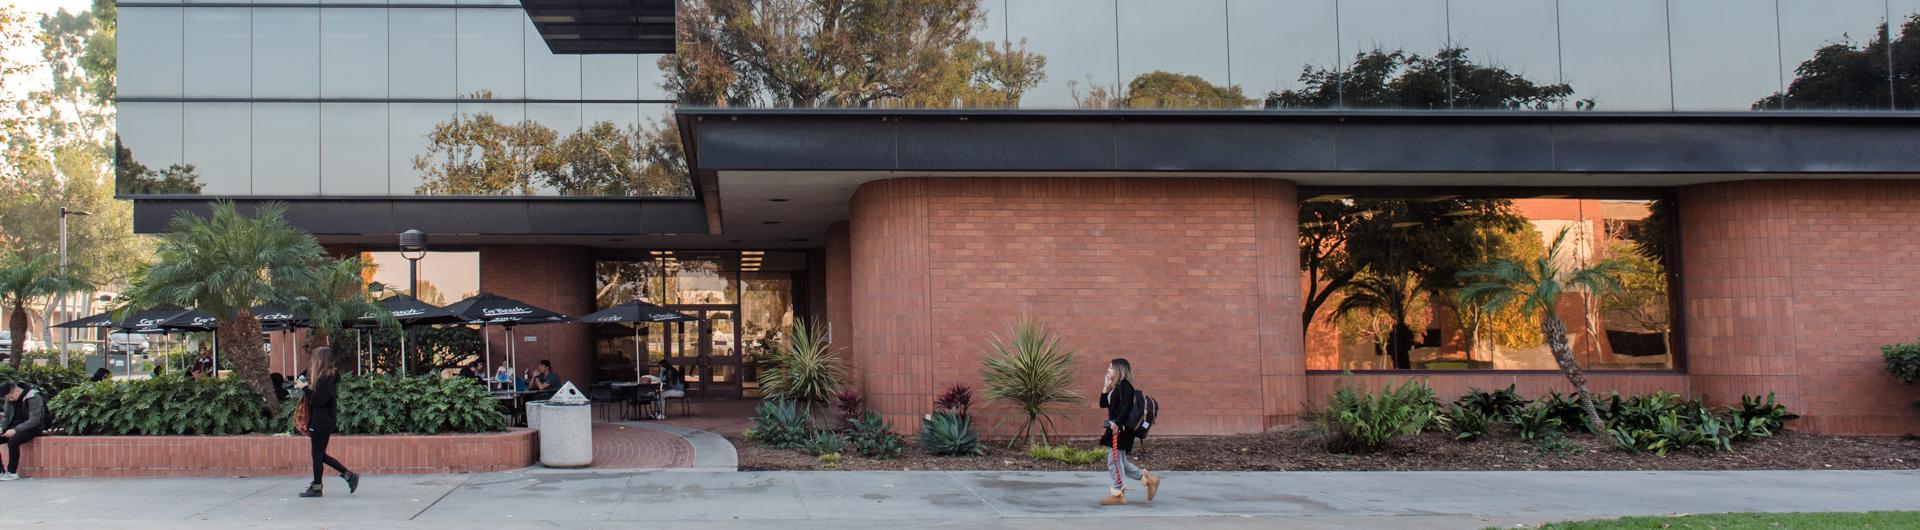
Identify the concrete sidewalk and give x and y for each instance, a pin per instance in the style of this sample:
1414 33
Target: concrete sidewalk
538 498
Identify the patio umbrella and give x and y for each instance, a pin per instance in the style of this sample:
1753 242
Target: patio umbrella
277 318
148 321
491 309
100 321
410 312
197 320
639 314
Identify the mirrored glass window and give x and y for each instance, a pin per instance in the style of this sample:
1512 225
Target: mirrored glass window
1176 57
492 62
1390 48
1726 54
1510 55
217 141
1832 55
549 76
421 61
411 128
1614 54
218 52
1077 38
445 277
1905 30
149 153
286 58
566 146
149 59
353 149
286 148
613 76
1283 51
353 53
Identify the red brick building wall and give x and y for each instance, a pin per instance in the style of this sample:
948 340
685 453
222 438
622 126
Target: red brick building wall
1793 286
839 286
555 277
1194 280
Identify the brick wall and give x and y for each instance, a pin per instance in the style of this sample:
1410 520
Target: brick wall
839 295
229 456
1793 286
1194 280
555 277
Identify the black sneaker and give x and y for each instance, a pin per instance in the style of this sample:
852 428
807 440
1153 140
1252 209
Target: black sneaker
353 482
313 490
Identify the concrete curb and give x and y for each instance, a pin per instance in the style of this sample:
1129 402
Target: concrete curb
711 452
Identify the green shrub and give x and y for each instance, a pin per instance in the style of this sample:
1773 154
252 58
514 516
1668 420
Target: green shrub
1360 421
390 404
830 459
806 370
49 380
1757 418
1067 455
873 437
1498 404
823 443
1534 422
1555 444
780 424
1468 422
950 434
1567 410
167 405
1903 361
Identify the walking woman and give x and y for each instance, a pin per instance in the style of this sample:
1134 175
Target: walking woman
1117 396
322 402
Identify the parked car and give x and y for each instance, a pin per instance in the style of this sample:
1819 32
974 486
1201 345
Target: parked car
124 343
6 343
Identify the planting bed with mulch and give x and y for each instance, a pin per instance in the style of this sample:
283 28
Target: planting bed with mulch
1301 449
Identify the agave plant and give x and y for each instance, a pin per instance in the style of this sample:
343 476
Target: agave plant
1537 285
806 370
1033 372
950 434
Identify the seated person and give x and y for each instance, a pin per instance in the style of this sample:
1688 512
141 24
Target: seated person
544 379
26 418
101 375
673 384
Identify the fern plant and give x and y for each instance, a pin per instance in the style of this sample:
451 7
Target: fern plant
1033 372
1359 421
1468 423
1535 422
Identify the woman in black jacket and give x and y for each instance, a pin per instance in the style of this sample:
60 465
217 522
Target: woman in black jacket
323 419
1117 396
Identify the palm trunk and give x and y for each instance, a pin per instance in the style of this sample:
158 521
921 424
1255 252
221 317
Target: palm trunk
241 338
1556 332
17 326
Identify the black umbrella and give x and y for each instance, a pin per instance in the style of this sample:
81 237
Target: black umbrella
488 309
103 320
410 312
278 318
197 320
149 321
639 314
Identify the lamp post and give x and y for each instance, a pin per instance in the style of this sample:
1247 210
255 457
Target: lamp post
413 246
64 212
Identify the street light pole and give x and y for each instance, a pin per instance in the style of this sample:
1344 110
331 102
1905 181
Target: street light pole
64 212
413 246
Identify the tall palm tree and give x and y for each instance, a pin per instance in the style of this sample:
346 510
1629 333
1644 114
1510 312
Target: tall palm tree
1537 285
1394 295
23 280
224 264
333 297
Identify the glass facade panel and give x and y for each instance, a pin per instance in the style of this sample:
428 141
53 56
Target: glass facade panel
549 76
1371 31
353 53
1821 41
1077 37
286 53
421 62
1501 37
218 52
491 58
1271 43
353 149
286 148
217 141
1719 54
561 132
702 277
150 136
149 62
1614 54
610 76
1386 275
409 128
1160 46
1905 30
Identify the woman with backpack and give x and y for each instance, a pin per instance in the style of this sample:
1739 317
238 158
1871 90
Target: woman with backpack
1118 396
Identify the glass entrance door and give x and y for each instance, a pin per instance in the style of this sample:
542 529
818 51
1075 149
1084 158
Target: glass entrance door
707 351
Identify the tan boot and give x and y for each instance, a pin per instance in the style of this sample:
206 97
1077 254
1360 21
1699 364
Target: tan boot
1153 483
1114 499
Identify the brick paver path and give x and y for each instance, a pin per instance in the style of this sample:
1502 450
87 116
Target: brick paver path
618 447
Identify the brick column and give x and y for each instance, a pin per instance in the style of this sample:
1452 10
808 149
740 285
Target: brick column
555 277
839 296
891 318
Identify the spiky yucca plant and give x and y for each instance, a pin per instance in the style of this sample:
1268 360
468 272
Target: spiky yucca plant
1033 372
1537 285
805 370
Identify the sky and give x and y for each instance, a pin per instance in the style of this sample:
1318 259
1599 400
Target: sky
33 9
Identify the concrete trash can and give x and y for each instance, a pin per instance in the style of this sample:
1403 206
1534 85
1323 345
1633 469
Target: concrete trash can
533 413
566 429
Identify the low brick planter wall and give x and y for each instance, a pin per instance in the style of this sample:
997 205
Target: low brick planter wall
246 456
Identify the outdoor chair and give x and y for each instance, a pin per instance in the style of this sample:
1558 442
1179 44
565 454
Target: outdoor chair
641 397
601 394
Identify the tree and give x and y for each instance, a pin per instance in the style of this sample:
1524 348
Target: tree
1393 296
1163 90
1536 287
225 264
13 35
1399 79
1510 327
22 281
332 297
78 50
1845 74
480 155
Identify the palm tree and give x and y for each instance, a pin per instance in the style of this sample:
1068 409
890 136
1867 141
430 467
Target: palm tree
1393 295
23 280
1537 285
332 297
1035 373
224 264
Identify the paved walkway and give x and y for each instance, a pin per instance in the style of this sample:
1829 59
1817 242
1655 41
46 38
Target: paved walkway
617 446
539 498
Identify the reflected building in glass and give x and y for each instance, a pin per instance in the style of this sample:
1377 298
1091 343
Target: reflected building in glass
1252 200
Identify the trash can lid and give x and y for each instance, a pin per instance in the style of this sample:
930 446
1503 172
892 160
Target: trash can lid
567 395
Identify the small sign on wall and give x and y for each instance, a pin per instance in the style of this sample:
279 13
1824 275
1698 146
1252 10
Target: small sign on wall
530 338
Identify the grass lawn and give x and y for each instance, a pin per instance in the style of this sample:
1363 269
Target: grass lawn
1756 521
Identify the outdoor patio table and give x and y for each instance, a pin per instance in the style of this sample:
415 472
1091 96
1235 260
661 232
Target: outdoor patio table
517 402
631 390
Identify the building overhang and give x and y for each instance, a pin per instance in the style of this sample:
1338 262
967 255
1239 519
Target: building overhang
481 219
799 167
604 26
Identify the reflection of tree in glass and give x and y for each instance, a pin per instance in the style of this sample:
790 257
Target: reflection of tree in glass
1642 299
480 155
619 282
1399 79
1509 327
1391 299
1162 90
130 177
1845 74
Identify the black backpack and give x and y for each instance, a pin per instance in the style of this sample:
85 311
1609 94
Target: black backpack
1146 411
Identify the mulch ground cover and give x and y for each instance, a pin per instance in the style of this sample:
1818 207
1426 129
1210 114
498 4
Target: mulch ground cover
1302 449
